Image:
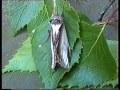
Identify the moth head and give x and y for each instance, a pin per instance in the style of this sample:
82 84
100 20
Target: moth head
56 20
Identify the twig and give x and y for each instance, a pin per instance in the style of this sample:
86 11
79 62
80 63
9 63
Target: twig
103 13
109 18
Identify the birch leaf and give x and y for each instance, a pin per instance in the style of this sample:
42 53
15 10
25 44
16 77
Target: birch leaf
49 7
90 71
42 16
41 45
22 60
71 19
21 12
84 18
113 46
35 22
42 56
112 83
96 63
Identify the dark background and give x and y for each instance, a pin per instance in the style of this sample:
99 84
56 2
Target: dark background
25 80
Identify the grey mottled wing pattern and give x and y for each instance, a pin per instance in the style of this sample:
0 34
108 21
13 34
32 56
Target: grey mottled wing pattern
59 43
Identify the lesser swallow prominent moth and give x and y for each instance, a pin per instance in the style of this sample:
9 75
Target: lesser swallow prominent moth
59 43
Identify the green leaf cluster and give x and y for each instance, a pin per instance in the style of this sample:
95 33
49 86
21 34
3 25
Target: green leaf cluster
92 63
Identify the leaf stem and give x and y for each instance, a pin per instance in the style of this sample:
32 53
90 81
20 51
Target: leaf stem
54 7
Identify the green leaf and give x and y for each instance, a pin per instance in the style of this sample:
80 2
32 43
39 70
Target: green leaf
71 21
113 83
42 56
22 12
113 46
84 18
43 15
22 60
49 7
96 62
35 22
41 45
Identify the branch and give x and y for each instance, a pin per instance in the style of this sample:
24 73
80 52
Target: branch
103 13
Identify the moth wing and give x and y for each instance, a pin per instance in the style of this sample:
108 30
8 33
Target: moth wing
64 48
53 54
54 43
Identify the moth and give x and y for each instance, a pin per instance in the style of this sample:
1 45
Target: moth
59 43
